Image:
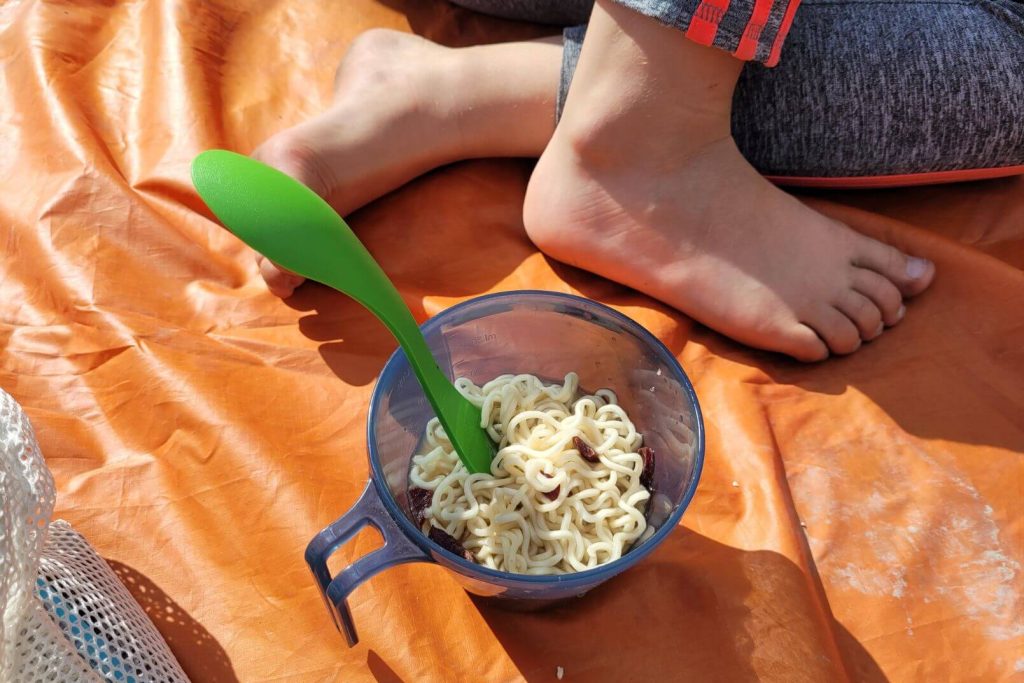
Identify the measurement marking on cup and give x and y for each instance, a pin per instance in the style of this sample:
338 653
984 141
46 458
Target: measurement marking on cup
484 338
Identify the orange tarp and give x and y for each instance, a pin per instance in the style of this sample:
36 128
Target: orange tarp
857 519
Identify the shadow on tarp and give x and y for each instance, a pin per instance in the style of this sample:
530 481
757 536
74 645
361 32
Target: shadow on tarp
197 651
448 24
354 345
923 394
699 610
470 245
382 673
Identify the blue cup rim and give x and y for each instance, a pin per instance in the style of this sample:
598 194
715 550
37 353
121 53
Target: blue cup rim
631 557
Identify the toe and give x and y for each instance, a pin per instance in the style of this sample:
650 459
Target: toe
882 292
835 329
863 312
802 343
910 274
280 282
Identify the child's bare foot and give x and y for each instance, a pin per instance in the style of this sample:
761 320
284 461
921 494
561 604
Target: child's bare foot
404 106
642 184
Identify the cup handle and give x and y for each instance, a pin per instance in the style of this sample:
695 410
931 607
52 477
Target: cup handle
397 549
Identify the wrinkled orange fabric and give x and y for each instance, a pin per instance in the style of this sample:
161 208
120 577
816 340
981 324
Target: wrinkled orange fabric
858 519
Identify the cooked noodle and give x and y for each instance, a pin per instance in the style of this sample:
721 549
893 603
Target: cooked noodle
507 518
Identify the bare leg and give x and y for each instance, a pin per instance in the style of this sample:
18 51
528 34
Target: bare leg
642 183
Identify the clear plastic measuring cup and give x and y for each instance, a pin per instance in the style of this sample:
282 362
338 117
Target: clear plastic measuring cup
542 333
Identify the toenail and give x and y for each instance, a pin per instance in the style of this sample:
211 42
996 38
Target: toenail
902 312
916 267
881 326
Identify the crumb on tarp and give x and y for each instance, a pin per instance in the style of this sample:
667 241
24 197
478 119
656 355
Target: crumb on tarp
559 672
735 484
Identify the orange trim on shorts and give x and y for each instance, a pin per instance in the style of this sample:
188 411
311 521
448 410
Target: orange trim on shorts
704 22
752 32
899 180
780 37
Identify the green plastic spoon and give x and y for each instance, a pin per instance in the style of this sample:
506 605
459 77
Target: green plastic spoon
292 226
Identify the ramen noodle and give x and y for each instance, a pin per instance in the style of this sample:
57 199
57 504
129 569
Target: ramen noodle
567 490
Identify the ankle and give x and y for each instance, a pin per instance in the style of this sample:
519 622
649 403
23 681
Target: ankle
610 138
505 96
640 88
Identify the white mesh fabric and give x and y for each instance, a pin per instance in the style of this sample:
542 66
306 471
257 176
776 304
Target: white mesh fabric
26 502
98 615
66 616
41 653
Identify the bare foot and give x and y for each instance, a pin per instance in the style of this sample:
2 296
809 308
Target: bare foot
643 184
404 106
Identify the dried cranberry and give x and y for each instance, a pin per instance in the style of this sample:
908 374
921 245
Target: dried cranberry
647 476
419 501
586 452
449 543
550 495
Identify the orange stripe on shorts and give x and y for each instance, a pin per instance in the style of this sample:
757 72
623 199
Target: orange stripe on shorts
704 23
780 37
752 33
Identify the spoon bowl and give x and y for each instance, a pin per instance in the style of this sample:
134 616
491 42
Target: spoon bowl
295 228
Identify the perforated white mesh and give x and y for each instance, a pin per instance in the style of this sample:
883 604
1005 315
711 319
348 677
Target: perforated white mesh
66 616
